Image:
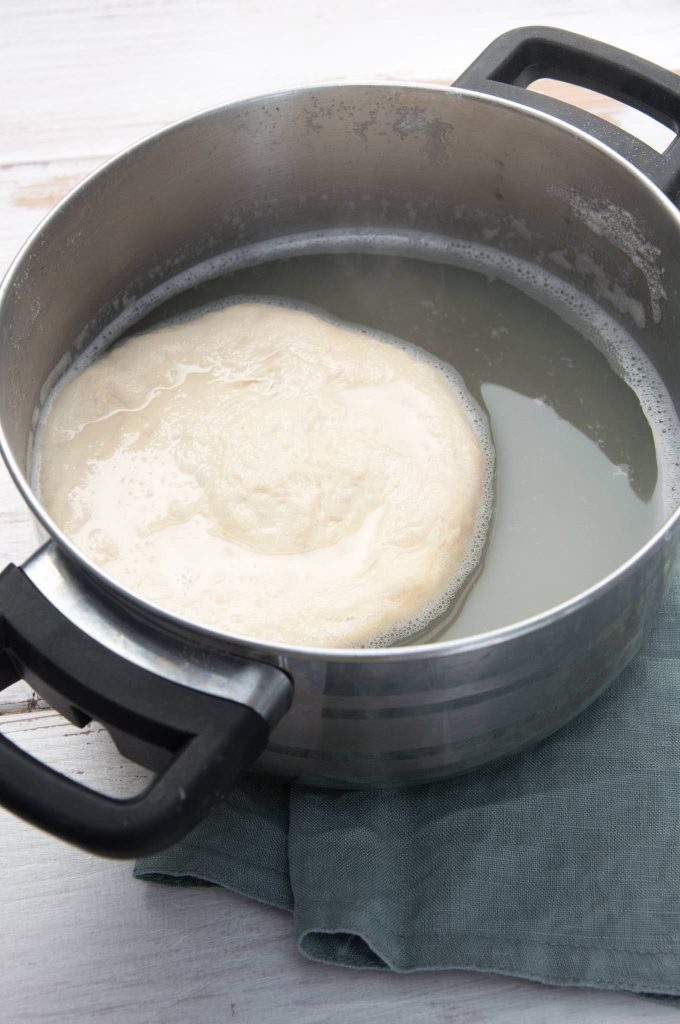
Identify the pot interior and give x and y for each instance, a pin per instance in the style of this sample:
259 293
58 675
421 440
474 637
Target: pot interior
384 185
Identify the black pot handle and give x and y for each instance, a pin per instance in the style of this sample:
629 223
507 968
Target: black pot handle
202 742
517 58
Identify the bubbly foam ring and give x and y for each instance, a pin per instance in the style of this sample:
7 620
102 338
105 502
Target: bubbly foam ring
392 523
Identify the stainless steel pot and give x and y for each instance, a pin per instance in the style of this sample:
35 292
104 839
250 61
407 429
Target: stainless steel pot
199 706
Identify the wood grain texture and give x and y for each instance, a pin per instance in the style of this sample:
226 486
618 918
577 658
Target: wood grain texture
80 79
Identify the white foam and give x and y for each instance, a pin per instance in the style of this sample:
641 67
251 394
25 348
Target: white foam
459 545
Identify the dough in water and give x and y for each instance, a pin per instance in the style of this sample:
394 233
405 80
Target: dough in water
264 471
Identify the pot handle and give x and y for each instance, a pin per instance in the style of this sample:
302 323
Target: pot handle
202 741
517 58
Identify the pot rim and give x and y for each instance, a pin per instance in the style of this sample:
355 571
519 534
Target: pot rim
441 648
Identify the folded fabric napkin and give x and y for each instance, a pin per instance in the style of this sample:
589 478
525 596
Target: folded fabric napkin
560 864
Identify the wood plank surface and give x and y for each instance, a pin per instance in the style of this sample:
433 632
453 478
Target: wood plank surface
79 79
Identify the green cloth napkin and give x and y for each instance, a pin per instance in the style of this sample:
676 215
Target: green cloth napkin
560 864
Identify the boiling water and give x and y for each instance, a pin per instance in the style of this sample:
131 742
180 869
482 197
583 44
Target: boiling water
578 485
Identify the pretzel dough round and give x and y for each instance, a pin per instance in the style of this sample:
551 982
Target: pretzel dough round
262 470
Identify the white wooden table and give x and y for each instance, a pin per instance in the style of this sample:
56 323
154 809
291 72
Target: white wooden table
79 79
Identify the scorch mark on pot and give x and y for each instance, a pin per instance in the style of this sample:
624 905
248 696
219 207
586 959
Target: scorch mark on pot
411 120
619 227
